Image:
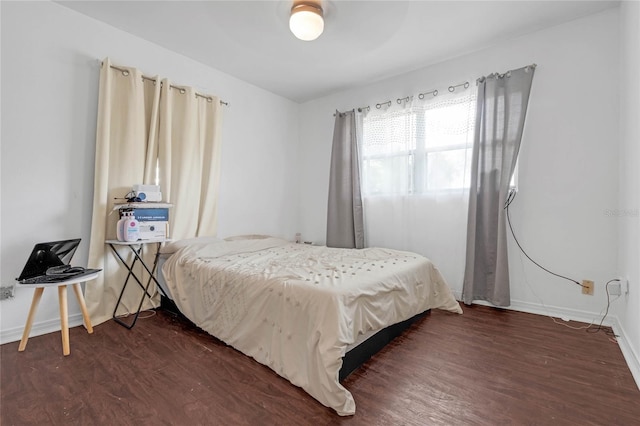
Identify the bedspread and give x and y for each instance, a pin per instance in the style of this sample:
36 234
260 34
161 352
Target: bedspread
295 308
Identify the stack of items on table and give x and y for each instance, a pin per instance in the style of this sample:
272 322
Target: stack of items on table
150 212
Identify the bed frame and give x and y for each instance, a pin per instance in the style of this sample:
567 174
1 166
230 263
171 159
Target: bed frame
365 350
353 358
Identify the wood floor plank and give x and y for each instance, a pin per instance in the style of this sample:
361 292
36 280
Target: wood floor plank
486 367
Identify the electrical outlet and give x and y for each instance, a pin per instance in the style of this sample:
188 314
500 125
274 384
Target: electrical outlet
624 284
587 287
6 292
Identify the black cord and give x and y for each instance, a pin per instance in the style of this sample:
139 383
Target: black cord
130 197
607 331
510 198
590 329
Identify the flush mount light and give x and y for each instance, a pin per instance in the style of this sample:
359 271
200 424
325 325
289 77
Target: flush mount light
306 21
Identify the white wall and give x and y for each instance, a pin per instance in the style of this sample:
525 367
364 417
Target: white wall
628 309
568 164
50 74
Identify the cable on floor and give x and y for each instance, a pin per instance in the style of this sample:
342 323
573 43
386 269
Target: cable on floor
150 313
609 331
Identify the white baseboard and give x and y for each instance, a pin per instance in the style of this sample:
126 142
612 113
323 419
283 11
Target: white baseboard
565 314
38 329
630 355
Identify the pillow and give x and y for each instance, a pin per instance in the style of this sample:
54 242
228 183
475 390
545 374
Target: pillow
248 237
177 245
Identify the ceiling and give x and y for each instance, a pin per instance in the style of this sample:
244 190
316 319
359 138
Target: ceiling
363 41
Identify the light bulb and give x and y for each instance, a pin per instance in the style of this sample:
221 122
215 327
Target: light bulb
306 22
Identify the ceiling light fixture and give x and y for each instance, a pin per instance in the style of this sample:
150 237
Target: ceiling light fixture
306 21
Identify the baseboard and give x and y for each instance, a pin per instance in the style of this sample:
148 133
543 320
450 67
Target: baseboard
38 329
565 314
630 356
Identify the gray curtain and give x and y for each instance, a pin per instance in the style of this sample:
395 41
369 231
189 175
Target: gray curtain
345 227
500 116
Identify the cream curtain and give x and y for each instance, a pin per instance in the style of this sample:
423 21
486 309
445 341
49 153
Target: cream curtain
189 159
144 123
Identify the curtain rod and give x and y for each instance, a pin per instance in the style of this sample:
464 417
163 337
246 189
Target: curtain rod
506 74
407 99
358 109
125 72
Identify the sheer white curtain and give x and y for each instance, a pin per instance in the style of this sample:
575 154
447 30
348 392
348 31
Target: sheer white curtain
415 165
144 123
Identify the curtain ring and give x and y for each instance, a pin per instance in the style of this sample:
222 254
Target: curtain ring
433 92
182 91
453 88
209 99
125 73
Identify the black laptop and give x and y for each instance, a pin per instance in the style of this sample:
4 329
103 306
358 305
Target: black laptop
50 263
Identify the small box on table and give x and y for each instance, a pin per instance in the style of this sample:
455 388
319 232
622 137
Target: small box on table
154 230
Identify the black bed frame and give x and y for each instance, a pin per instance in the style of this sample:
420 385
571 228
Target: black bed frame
356 356
365 350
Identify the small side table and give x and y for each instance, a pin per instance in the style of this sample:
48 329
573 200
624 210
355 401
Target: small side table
62 299
137 249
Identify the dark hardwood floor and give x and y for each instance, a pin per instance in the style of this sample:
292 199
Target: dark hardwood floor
486 367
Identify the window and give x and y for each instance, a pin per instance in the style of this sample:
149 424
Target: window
419 149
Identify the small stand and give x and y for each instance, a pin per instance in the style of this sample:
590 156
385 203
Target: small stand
136 247
62 299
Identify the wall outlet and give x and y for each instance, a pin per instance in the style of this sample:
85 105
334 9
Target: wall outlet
587 287
6 292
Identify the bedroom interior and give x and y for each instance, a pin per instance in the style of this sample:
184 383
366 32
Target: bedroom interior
577 182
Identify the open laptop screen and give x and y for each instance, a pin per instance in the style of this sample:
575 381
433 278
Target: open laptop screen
46 255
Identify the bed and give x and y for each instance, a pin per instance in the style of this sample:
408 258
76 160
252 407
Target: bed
296 308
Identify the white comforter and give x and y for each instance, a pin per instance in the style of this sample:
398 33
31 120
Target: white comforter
295 308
